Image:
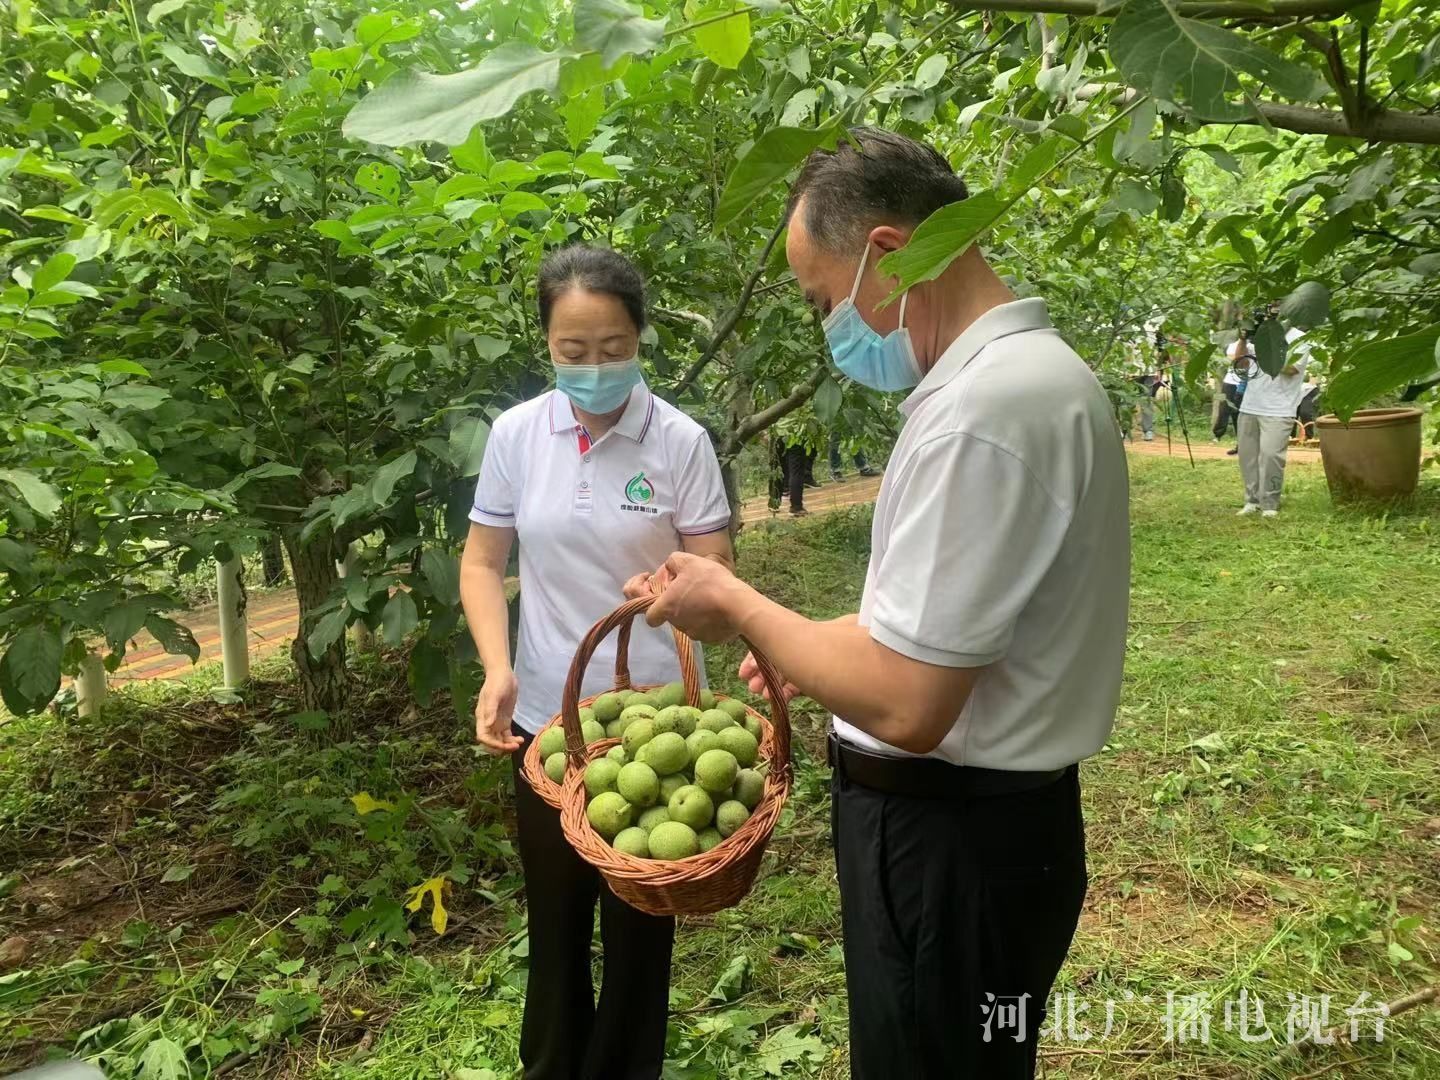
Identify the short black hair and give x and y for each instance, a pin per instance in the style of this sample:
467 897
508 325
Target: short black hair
593 269
873 177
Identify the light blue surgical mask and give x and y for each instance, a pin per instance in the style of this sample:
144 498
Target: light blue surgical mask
881 362
598 388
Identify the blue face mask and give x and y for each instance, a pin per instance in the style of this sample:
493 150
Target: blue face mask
880 362
598 388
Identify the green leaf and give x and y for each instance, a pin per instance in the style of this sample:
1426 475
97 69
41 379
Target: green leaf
178 873
1380 366
941 239
1198 365
30 670
330 629
521 202
768 161
123 621
163 1059
429 671
1224 159
415 106
473 155
124 367
725 42
1158 51
56 269
786 1047
827 400
614 28
164 7
1136 197
42 497
467 445
441 571
389 474
173 637
131 396
733 981
1307 306
1331 234
400 617
1270 346
1037 162
581 114
1399 953
197 67
931 70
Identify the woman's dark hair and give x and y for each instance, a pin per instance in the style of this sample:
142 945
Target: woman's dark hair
596 270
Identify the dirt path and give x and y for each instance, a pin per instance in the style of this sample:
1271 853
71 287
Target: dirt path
275 620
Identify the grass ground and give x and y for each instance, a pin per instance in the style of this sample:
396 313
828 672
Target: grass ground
195 894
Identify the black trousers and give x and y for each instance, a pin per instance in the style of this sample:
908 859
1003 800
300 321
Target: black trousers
565 1034
955 914
1230 413
799 465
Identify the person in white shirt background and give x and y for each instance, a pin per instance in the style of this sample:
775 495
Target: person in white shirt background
1267 418
1232 387
600 481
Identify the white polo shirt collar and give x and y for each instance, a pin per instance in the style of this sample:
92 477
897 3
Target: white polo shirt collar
1016 317
634 422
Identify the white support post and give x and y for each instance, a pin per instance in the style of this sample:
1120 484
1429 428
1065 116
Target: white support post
234 626
363 635
90 686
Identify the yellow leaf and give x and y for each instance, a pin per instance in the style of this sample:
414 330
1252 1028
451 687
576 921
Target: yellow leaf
365 803
435 886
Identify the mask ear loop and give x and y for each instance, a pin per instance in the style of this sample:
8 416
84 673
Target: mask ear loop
860 272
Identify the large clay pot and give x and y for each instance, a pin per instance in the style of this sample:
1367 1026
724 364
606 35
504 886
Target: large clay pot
1375 456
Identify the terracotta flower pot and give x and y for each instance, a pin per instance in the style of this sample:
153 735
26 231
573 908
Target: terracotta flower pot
1375 456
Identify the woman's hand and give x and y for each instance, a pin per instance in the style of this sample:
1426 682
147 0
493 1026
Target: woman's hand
750 672
639 586
494 709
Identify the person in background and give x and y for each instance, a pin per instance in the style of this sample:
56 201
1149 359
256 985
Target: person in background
1309 408
837 464
1148 383
1267 417
598 480
1241 354
986 658
797 469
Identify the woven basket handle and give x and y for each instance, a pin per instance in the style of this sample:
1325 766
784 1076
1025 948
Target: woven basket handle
623 618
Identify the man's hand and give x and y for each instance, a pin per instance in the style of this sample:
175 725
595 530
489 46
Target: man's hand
750 672
494 709
699 596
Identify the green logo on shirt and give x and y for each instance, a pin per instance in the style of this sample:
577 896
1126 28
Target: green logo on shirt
639 490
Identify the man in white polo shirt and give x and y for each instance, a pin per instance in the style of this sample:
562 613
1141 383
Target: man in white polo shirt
1267 417
986 658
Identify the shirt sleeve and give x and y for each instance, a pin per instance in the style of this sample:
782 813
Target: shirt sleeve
700 503
495 491
971 537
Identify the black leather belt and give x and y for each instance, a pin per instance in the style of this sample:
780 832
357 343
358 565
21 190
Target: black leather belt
929 778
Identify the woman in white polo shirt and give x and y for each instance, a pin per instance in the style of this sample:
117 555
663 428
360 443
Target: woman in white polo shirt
600 481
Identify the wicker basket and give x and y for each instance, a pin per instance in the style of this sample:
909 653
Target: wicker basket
703 883
535 774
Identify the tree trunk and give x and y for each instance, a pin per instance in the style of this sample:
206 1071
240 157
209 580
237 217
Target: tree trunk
322 678
274 560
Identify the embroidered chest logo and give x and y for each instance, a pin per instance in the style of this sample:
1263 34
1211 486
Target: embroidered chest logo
638 493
